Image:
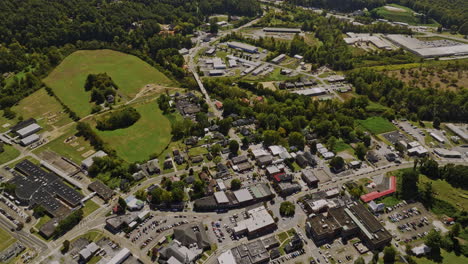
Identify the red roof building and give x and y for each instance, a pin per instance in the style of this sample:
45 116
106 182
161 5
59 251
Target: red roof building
374 195
218 105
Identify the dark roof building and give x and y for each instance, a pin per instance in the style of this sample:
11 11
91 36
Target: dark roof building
309 178
101 190
39 187
192 233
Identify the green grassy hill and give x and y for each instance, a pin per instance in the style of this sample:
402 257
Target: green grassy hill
397 13
130 73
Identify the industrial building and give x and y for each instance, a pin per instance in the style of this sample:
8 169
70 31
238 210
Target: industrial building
278 59
356 38
458 131
445 153
311 91
429 49
29 140
282 30
242 46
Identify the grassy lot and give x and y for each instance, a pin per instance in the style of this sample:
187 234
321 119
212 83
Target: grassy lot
73 150
446 192
401 14
42 221
9 153
342 146
197 151
150 134
93 235
44 108
376 107
282 237
389 201
377 125
89 207
447 257
6 238
129 72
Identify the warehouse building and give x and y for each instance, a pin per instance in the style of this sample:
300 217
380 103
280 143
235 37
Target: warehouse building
445 153
278 59
458 131
242 46
88 162
282 30
260 222
429 49
29 140
317 91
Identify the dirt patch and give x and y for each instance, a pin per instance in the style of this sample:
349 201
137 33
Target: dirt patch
269 85
87 153
57 161
395 9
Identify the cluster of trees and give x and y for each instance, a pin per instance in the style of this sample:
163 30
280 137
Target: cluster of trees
287 209
411 102
119 119
452 14
69 222
169 192
101 86
85 130
456 175
285 118
114 172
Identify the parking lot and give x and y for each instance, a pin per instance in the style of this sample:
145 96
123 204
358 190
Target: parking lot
150 230
407 222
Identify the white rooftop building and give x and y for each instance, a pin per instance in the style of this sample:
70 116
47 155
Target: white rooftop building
88 162
226 258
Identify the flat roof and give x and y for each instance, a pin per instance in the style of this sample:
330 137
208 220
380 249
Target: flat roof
28 129
88 162
310 91
243 195
242 45
284 30
30 139
221 197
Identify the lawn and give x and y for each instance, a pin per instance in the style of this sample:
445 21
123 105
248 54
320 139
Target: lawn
89 207
376 107
6 238
72 149
377 125
282 237
197 151
9 153
342 146
93 235
150 134
401 14
390 201
446 192
447 257
129 72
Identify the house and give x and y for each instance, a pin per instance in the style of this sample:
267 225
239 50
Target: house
282 177
239 159
152 167
197 159
168 164
421 250
219 105
265 160
287 188
302 161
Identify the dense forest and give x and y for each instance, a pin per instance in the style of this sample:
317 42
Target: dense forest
452 14
35 35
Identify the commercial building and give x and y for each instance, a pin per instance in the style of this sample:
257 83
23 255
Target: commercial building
28 130
216 73
376 207
218 64
120 257
418 151
282 30
242 46
259 223
88 252
288 188
348 222
317 91
374 195
191 234
437 137
309 178
101 190
29 140
445 153
459 131
278 59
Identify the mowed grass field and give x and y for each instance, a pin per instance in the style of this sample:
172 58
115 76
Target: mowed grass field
150 134
9 153
6 239
397 13
129 72
377 125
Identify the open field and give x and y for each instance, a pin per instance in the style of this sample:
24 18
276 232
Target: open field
377 125
397 13
432 77
89 207
75 148
446 192
150 134
10 153
447 257
6 238
129 72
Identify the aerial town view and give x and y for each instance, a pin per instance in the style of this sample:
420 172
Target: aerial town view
234 131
